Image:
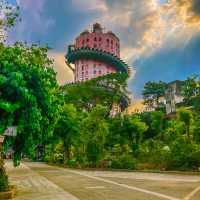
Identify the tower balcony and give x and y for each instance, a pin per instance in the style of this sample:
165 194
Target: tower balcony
85 53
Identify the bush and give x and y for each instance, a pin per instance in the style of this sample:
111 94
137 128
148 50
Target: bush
154 155
72 163
184 155
124 162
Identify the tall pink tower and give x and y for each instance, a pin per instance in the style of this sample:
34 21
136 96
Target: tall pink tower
95 53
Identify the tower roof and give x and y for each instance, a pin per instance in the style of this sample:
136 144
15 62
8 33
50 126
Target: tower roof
97 27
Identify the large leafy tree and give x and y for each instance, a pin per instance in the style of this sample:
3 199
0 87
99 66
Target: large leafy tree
186 116
94 130
105 90
133 131
8 17
67 128
29 96
152 92
191 92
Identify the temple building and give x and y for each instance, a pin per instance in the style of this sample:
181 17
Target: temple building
95 53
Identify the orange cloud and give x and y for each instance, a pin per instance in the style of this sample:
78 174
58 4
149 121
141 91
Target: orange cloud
64 74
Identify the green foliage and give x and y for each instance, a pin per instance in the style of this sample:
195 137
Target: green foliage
67 128
186 117
196 129
157 123
139 141
124 161
94 130
153 155
152 92
184 155
29 97
105 90
191 92
58 153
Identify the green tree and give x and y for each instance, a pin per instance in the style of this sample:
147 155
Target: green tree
197 129
105 90
29 97
133 131
186 117
67 128
191 92
9 15
94 131
152 92
157 124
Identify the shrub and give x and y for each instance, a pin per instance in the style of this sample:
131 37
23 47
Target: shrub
154 155
72 163
124 162
184 155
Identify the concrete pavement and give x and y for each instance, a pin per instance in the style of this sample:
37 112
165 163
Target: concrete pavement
41 181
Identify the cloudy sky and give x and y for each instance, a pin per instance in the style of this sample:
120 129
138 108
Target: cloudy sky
160 39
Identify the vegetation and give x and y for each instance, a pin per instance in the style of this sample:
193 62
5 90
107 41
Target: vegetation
152 92
150 140
9 15
29 96
106 90
73 125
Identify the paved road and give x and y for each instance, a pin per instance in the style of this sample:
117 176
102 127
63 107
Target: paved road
39 181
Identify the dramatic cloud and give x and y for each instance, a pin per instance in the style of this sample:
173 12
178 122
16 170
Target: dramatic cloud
145 26
149 30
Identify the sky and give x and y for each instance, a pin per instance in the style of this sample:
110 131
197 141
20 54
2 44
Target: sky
160 39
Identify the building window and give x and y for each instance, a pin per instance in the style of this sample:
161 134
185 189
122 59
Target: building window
99 71
94 65
82 67
100 39
95 39
95 46
86 72
107 43
82 73
88 40
95 72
